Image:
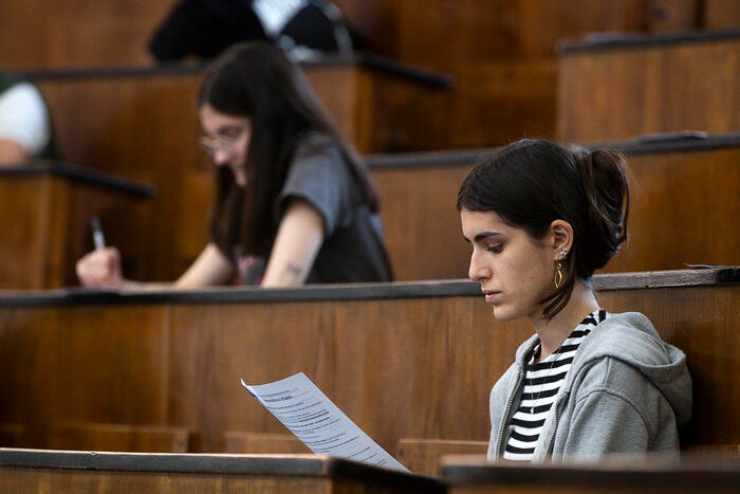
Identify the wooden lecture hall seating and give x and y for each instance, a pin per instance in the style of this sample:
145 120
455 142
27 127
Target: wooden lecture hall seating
37 472
139 391
144 127
470 475
49 207
175 359
615 87
503 58
687 174
29 471
696 178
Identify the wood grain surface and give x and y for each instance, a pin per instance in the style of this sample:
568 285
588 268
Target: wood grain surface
620 93
473 475
681 211
49 228
400 368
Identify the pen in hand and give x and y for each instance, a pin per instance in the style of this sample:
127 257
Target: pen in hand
97 233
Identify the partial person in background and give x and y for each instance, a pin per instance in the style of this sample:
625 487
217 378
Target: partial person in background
589 383
25 127
294 204
205 28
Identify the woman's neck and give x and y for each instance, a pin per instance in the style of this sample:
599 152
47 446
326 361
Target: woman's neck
554 331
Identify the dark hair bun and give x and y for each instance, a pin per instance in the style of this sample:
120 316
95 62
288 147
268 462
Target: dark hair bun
607 193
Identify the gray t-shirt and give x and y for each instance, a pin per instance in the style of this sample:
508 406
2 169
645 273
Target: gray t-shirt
353 250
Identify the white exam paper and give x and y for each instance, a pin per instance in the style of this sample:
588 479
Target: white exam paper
306 411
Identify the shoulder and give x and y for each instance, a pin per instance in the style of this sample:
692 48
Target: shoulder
624 350
609 374
24 118
23 95
319 176
628 340
629 336
317 159
315 145
624 356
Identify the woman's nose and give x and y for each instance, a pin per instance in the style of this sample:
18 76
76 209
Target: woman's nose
478 271
221 157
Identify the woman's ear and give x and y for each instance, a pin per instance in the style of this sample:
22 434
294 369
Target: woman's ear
561 233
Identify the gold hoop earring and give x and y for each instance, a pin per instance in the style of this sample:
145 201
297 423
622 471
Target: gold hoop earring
559 276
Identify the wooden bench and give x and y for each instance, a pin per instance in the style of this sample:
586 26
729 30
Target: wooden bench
37 471
46 209
473 475
12 435
696 179
142 124
425 456
118 437
403 360
614 87
687 175
263 443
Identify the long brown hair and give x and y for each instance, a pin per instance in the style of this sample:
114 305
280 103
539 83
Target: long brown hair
258 82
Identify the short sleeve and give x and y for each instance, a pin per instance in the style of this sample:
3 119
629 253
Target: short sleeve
23 118
320 177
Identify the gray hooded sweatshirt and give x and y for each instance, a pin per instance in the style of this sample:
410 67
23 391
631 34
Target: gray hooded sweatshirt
627 391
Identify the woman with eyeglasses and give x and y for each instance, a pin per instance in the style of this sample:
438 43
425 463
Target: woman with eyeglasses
293 203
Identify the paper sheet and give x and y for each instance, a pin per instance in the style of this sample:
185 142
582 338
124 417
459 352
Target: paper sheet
306 411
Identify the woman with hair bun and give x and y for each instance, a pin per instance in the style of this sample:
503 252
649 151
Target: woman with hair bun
541 219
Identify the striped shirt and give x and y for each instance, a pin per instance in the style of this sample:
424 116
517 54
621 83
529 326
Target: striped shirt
542 381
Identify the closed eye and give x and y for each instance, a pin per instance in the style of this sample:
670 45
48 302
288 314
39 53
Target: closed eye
233 132
495 248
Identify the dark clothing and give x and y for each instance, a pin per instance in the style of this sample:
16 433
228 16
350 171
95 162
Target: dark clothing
6 83
312 29
205 28
353 248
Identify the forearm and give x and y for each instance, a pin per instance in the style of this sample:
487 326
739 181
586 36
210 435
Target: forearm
146 285
211 268
287 274
297 243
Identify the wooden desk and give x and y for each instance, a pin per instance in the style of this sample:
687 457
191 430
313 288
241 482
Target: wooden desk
46 209
403 360
619 86
39 471
685 196
472 475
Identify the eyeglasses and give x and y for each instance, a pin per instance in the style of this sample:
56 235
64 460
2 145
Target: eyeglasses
225 143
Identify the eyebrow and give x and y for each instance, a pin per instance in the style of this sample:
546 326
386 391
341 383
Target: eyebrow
482 236
221 129
228 128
